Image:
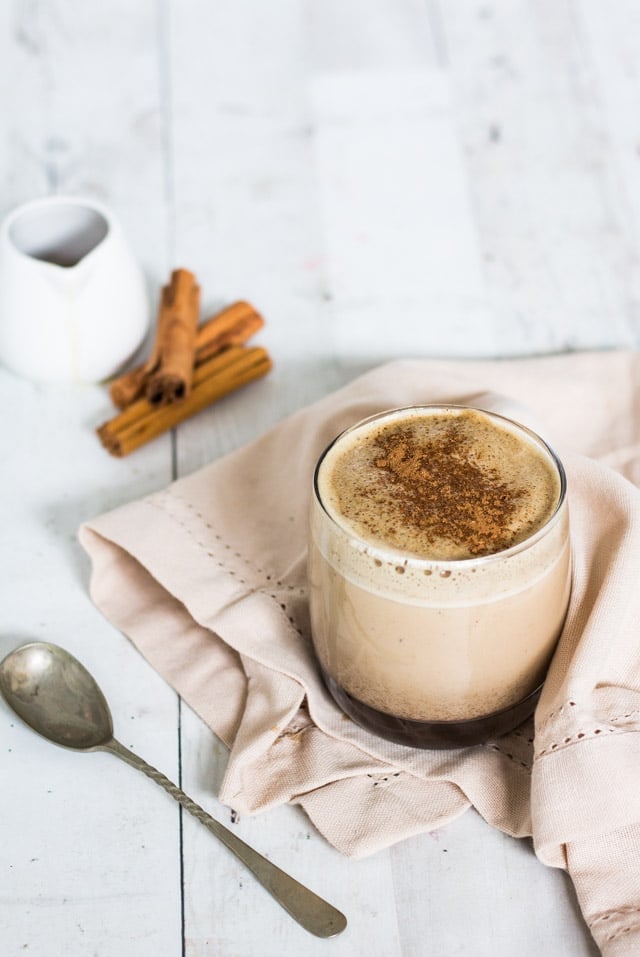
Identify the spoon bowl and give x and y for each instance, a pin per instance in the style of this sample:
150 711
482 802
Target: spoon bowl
57 697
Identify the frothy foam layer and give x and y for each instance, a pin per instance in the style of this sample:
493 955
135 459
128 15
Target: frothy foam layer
444 484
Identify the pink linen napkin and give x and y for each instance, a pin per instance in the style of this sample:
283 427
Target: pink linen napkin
208 579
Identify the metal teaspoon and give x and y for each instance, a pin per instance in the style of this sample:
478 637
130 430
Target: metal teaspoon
57 697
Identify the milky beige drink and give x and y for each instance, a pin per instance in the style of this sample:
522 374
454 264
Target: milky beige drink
439 571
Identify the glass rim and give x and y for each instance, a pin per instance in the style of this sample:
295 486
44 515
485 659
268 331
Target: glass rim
394 556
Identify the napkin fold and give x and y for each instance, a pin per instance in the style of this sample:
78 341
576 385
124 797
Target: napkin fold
208 579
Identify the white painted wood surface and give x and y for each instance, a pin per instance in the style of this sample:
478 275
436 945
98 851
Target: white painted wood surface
382 178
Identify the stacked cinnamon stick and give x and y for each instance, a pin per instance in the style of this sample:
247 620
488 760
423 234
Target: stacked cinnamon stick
190 366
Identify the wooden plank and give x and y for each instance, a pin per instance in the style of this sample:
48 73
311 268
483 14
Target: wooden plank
467 889
402 258
403 263
609 37
553 229
90 849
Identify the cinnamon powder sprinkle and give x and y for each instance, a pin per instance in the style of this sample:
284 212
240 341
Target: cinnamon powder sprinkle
439 489
444 485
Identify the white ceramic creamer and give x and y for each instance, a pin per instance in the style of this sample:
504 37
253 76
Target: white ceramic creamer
73 300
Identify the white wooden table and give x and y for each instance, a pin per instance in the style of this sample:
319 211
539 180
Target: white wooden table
381 178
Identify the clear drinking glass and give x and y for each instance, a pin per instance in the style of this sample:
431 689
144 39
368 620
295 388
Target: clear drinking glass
436 653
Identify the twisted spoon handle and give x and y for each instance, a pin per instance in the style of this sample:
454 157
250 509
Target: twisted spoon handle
312 912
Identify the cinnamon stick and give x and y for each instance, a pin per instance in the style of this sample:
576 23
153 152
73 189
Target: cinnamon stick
213 379
233 326
169 377
167 374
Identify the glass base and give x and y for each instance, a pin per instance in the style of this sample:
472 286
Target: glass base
434 734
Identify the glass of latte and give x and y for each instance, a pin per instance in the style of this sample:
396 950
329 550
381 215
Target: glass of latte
439 572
